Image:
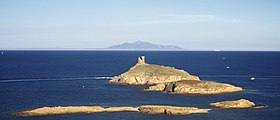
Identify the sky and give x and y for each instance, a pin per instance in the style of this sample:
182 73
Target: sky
235 25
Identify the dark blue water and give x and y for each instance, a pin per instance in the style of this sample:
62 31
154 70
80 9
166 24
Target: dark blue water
32 79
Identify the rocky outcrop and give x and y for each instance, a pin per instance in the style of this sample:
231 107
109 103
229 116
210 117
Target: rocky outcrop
242 103
171 110
71 110
149 109
194 87
157 87
143 73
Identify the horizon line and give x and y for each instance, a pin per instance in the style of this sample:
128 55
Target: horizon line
104 49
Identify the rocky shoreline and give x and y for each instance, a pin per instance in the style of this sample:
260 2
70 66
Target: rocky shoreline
194 87
147 109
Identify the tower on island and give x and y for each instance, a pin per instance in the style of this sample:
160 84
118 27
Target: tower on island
141 60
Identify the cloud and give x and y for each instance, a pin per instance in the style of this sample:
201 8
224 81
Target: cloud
183 18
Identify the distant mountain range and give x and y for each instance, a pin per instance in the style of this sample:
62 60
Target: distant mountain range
140 45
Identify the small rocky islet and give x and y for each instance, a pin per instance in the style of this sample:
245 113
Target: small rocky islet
236 104
147 109
159 78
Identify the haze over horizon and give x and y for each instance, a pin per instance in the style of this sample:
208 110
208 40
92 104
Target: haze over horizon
252 25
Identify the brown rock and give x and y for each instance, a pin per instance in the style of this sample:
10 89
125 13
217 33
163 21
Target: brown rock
157 87
70 110
170 110
149 109
242 103
59 110
203 87
195 87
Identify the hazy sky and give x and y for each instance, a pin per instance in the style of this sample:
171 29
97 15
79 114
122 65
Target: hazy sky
191 24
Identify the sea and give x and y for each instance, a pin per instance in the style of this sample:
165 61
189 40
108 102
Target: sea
34 79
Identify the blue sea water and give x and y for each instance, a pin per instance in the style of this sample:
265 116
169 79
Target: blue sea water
32 79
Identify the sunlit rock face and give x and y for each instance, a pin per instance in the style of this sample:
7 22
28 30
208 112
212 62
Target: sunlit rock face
195 87
143 73
148 109
242 103
170 110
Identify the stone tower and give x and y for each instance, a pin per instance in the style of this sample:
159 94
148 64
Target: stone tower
141 60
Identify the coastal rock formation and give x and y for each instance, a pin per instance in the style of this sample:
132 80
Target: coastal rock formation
170 80
149 109
71 110
143 73
194 87
157 87
242 103
171 110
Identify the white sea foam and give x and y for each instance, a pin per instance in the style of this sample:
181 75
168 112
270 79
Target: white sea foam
57 79
237 76
103 77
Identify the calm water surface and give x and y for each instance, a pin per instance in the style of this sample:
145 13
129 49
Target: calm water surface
32 79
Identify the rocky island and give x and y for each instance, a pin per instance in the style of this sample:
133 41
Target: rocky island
148 109
170 80
195 87
242 103
143 73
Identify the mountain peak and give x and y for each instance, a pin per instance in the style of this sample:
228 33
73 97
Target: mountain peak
141 45
140 42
